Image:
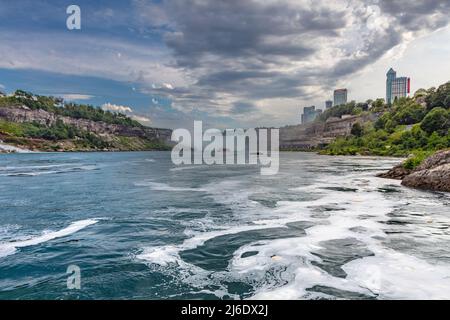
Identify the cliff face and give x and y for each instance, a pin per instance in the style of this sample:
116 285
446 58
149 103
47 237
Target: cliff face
137 138
316 134
24 114
432 174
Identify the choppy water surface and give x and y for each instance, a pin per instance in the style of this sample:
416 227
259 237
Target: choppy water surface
140 228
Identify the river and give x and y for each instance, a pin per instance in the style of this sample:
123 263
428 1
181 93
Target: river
140 228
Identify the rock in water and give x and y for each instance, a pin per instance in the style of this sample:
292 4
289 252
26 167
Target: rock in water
397 173
432 174
437 178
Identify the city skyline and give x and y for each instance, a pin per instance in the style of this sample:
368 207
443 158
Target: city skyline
395 87
242 65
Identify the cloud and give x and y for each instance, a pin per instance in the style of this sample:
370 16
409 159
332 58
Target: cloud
168 86
88 55
116 108
141 119
75 96
126 110
417 15
243 108
247 61
238 51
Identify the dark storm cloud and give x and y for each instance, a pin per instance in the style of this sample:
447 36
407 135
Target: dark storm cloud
236 28
252 50
243 107
416 15
375 50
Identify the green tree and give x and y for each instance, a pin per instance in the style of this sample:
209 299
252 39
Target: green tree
409 112
437 120
357 130
381 122
438 98
378 105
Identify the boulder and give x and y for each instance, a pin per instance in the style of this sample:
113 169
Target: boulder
437 178
397 173
437 159
432 174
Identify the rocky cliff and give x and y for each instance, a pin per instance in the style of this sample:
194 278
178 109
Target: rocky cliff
432 174
24 114
118 137
317 134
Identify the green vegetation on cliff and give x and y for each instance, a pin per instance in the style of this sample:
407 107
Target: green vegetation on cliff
20 132
56 106
71 135
418 125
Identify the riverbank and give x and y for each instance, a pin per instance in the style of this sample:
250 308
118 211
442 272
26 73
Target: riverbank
110 143
4 148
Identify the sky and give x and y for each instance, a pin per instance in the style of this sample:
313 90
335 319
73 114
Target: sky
229 63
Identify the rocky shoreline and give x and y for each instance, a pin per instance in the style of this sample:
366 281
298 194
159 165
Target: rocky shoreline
5 148
433 174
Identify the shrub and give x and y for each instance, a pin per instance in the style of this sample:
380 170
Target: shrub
357 130
437 120
416 159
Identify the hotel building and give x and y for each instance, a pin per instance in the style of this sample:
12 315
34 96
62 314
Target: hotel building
396 87
340 97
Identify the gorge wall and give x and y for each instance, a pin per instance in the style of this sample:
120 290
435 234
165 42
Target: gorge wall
24 114
317 134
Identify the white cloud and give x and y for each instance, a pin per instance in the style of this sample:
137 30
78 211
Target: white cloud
75 96
88 56
162 86
141 119
116 108
278 55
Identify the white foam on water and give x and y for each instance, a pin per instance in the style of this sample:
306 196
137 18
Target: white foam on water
160 255
13 171
361 215
389 274
395 275
167 259
165 255
7 168
8 248
158 186
185 167
29 174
